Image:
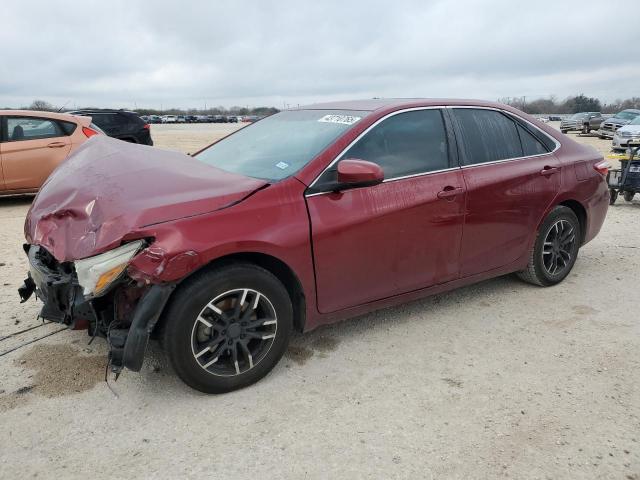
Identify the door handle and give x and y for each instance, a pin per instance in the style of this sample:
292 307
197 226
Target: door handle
548 171
56 144
449 192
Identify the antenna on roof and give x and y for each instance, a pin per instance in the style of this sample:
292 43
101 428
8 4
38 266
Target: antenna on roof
60 109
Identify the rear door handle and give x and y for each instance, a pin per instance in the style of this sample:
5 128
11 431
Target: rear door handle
547 171
449 192
56 144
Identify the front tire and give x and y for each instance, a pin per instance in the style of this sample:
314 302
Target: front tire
628 196
226 328
555 250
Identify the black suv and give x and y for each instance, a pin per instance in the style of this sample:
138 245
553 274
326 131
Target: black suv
127 126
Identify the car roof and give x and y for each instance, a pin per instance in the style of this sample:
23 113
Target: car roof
37 113
397 103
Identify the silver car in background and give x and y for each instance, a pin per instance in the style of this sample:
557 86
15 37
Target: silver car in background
627 133
609 127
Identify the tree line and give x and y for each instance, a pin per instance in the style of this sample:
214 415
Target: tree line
45 106
575 104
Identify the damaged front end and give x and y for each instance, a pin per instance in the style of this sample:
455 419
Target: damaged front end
98 294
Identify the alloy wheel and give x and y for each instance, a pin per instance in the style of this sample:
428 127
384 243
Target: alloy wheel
558 248
234 332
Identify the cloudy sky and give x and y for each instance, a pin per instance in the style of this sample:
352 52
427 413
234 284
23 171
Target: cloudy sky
153 54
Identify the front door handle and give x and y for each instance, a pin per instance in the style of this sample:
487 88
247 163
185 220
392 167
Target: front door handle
449 192
56 144
548 171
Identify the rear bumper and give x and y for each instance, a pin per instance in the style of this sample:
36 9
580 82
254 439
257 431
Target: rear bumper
597 207
56 285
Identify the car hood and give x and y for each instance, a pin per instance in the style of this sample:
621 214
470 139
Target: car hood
617 121
630 128
108 189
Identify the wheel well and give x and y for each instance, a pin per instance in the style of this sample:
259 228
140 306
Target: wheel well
581 213
280 270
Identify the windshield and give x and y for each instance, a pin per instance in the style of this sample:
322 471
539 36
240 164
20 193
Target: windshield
627 115
279 145
636 121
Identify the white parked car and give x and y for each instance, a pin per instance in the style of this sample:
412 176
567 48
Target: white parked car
626 133
169 119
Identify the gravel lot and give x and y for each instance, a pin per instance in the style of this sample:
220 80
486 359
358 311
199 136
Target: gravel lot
499 379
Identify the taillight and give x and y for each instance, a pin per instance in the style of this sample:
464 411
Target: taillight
147 126
89 132
602 168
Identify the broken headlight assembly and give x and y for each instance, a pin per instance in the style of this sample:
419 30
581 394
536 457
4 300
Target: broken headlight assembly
96 274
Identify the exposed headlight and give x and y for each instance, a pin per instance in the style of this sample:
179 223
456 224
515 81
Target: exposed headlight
95 274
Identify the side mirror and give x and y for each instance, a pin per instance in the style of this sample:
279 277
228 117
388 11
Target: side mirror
358 173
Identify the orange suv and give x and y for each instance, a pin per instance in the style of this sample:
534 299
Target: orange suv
33 143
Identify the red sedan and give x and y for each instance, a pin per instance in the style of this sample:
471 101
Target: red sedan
304 218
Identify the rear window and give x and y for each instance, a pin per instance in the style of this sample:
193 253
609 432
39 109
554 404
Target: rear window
135 120
68 127
105 120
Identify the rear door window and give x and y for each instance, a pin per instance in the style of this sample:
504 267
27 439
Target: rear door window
530 144
487 135
32 128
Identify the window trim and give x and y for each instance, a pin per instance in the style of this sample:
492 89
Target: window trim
452 153
515 118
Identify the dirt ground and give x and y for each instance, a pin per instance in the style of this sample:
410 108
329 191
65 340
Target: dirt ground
499 379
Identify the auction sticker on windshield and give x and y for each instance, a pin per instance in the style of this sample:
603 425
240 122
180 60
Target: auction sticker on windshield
344 119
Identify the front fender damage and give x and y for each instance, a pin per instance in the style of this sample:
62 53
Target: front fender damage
155 265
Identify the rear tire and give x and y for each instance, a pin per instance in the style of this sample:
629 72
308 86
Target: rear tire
215 346
628 196
555 250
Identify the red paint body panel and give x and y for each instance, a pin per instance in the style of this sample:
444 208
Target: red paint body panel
352 252
504 200
379 241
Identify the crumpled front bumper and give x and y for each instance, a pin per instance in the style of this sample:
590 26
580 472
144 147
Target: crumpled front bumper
56 285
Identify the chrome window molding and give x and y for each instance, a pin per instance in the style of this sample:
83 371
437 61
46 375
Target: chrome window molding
438 107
